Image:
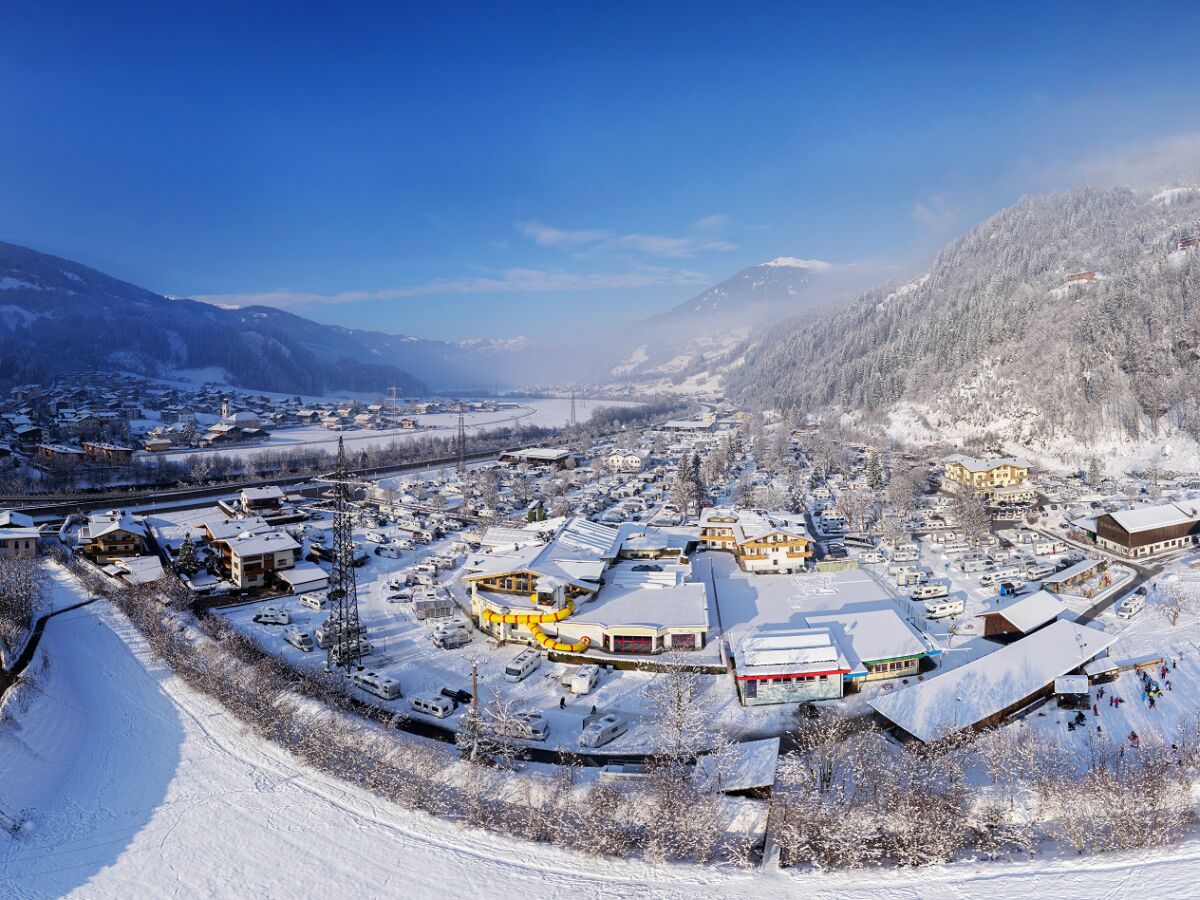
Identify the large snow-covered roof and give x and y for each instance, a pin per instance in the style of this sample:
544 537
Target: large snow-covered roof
1031 611
578 554
1067 574
1150 517
796 651
10 518
751 524
655 606
875 634
974 464
981 688
251 544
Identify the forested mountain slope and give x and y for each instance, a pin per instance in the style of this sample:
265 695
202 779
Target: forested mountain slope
995 339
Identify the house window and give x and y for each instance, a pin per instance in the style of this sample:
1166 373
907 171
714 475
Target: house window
683 641
750 690
632 644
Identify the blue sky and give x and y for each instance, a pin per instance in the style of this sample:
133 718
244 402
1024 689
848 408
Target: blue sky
465 171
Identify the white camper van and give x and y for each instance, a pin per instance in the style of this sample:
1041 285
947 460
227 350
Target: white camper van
930 591
299 638
431 705
522 665
946 606
272 615
603 730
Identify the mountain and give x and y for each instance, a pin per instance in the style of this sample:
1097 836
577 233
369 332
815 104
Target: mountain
58 315
782 282
691 337
1071 318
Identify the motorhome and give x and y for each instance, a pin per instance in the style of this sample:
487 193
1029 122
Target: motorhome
912 576
947 606
299 638
953 548
389 551
1130 606
1003 573
383 686
1049 548
325 634
522 665
272 615
973 565
930 591
375 537
905 554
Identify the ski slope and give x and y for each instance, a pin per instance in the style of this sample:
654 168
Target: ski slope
142 788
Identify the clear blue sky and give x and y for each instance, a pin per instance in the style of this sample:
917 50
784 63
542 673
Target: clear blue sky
450 170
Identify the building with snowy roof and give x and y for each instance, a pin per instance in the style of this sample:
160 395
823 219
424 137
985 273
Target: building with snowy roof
961 472
761 542
883 643
1149 530
112 535
794 665
1023 616
987 690
575 591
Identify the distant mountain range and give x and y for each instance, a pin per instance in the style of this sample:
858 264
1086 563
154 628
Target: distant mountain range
57 315
691 337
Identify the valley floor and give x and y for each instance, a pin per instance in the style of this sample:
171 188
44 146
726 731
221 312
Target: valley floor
140 787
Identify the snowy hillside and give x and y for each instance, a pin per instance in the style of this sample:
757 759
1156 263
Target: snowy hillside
1072 314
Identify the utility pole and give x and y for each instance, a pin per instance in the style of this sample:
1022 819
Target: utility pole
345 642
572 422
395 417
462 440
474 685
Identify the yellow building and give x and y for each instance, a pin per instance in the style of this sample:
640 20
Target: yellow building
983 475
760 542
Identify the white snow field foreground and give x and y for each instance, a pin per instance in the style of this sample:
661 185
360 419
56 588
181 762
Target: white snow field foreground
142 788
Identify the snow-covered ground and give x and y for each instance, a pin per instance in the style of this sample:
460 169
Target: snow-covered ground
142 788
553 412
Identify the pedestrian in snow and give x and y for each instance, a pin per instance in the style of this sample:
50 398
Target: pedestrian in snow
593 709
1168 684
562 702
1095 709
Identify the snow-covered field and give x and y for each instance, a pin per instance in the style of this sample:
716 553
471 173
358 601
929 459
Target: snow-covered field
553 412
142 788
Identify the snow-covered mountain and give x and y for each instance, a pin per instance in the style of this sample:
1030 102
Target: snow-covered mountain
58 315
706 332
1072 316
781 282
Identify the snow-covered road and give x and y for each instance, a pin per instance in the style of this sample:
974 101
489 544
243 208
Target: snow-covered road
143 788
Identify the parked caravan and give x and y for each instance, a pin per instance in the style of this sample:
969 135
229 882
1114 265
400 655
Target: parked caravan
438 707
314 601
525 726
362 647
584 679
973 565
325 634
389 551
602 731
1049 548
382 686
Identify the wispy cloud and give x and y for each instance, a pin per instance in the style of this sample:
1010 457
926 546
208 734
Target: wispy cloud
937 211
699 239
549 236
508 281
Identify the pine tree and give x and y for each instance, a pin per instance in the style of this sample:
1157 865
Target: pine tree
1093 474
186 562
874 473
